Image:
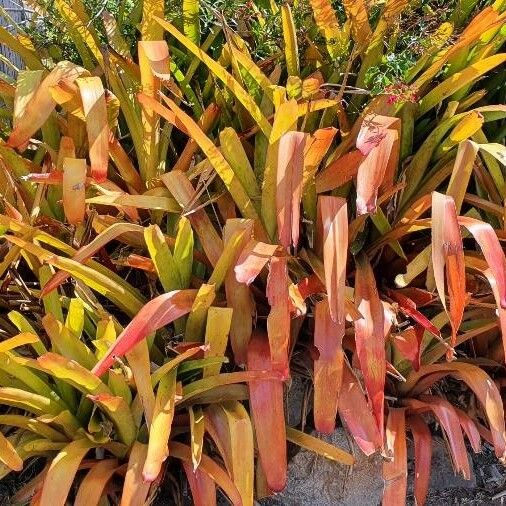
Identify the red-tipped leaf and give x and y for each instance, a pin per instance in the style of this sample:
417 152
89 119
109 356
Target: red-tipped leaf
157 313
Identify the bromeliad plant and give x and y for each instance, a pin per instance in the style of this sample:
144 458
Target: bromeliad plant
196 226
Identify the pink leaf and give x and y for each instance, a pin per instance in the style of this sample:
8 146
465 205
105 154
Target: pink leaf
157 313
370 337
278 321
448 254
289 186
328 368
252 260
334 219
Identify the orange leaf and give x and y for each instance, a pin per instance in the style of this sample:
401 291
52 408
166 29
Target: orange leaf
62 471
97 127
370 336
202 486
447 252
135 490
239 297
479 382
266 401
423 456
353 409
408 307
93 484
408 343
470 429
339 172
328 368
161 425
41 105
74 180
8 455
278 321
492 251
395 471
481 265
208 466
230 427
449 421
315 149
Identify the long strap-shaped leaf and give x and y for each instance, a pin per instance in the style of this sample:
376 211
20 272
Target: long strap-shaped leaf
208 466
62 471
39 108
328 368
457 81
448 254
95 111
93 484
289 187
395 471
160 426
328 24
228 80
158 312
266 401
370 337
333 241
479 382
423 456
82 379
230 427
182 121
278 321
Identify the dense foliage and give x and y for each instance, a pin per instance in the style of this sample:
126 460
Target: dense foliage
204 200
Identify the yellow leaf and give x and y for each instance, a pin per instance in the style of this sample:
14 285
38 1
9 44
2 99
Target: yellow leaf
18 340
285 119
151 10
230 426
458 80
41 105
26 85
161 425
217 330
356 12
235 155
461 173
328 24
8 454
198 314
154 66
228 80
290 38
318 446
152 202
74 180
197 429
164 263
191 21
